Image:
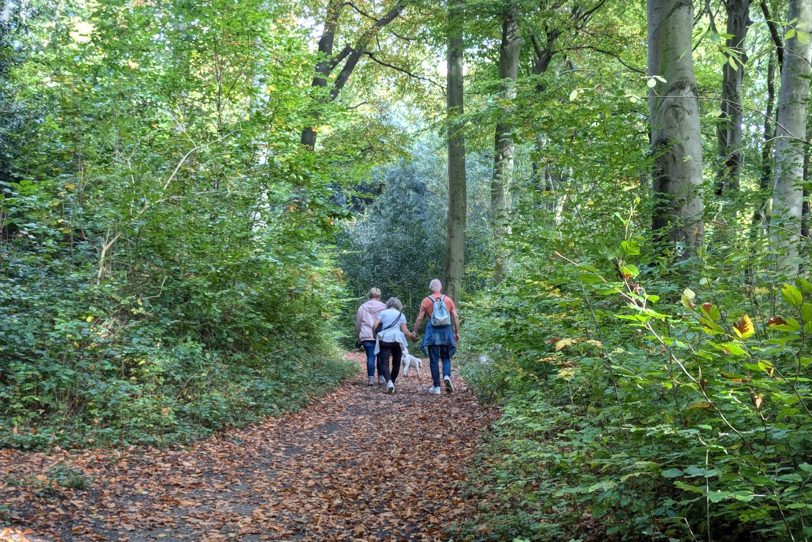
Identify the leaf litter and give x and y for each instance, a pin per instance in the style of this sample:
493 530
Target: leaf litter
357 464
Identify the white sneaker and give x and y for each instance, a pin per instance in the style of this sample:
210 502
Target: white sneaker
371 380
381 380
435 390
390 387
449 387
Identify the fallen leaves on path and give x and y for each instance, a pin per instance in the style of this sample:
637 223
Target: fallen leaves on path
357 464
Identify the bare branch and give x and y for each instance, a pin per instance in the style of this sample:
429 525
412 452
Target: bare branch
377 60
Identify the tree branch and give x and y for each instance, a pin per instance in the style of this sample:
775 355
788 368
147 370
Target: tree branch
582 19
774 32
360 11
336 60
404 71
361 46
607 53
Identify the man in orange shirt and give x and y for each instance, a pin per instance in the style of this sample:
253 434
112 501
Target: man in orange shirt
442 334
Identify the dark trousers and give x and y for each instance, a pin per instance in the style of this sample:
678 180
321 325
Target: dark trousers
387 351
436 353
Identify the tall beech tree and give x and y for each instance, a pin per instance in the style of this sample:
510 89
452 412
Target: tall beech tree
676 138
454 263
791 136
509 50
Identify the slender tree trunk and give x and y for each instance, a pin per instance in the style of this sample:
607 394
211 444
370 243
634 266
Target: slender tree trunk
805 238
457 189
542 57
503 143
729 131
675 128
785 222
760 214
765 180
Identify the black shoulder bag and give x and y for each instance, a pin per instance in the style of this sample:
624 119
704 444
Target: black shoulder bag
380 327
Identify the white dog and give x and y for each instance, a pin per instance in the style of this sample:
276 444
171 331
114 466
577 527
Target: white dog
410 361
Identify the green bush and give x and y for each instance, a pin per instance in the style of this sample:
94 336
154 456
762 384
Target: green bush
641 416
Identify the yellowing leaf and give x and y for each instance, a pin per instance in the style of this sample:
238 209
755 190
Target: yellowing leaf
744 327
688 297
562 343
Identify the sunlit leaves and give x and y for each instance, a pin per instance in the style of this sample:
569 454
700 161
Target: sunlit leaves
792 295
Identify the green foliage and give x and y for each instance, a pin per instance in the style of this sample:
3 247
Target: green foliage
398 243
68 477
672 416
162 272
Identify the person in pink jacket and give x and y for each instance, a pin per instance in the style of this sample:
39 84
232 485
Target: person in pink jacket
364 320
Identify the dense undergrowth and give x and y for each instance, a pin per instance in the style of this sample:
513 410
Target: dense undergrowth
163 269
644 401
186 349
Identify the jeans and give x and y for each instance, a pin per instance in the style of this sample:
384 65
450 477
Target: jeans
389 350
437 351
369 348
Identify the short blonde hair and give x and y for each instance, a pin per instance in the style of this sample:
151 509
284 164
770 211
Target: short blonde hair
374 293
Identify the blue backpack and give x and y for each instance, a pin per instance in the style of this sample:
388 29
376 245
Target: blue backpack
439 314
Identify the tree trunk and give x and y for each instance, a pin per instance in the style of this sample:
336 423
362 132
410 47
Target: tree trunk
503 142
729 131
785 222
542 57
325 64
457 189
805 214
760 213
675 129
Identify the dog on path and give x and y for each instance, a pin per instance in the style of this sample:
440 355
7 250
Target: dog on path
409 361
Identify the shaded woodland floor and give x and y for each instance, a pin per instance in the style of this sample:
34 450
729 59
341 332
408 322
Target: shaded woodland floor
357 464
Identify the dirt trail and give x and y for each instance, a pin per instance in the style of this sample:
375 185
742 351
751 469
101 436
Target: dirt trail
357 464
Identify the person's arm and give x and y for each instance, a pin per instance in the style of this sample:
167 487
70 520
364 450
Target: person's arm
405 329
358 323
419 321
456 318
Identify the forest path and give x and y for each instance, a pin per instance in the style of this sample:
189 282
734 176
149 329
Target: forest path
357 464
